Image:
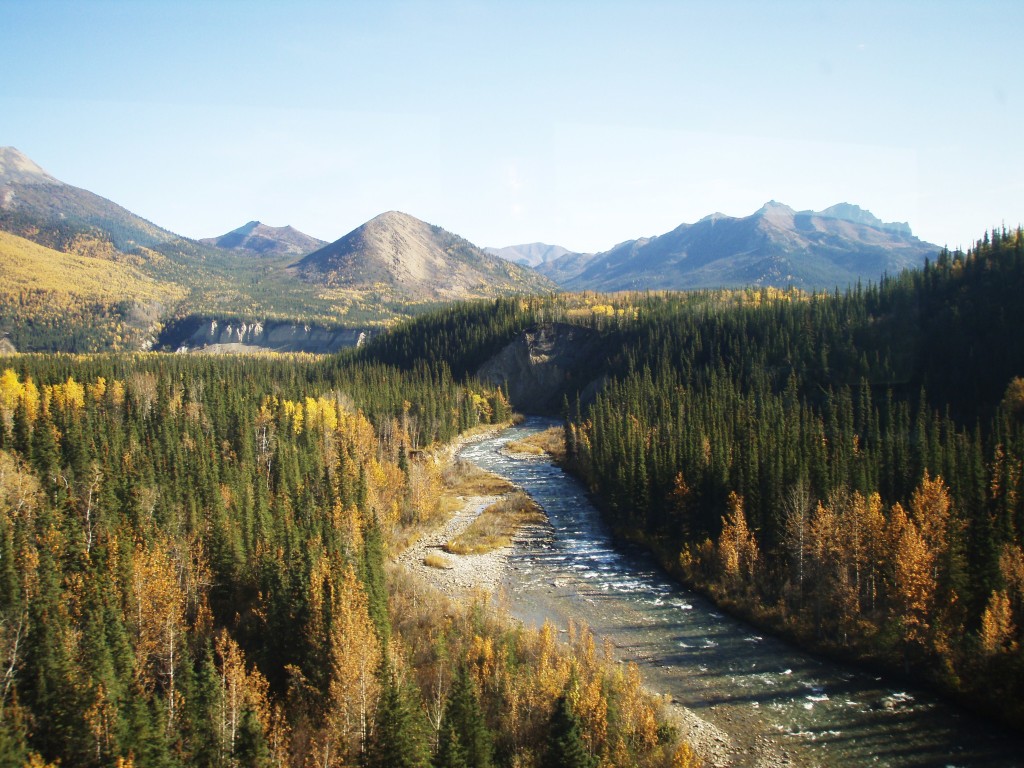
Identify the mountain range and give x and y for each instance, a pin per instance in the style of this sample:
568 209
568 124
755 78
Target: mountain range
66 246
773 246
530 254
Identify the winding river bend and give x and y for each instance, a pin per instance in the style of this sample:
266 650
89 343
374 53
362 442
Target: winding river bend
774 703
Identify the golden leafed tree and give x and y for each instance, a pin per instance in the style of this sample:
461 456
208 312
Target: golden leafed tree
158 605
354 659
738 553
913 579
997 630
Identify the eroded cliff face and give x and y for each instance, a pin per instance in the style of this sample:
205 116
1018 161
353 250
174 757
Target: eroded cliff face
547 363
212 335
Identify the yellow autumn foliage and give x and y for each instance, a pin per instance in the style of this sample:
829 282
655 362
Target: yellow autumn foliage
26 266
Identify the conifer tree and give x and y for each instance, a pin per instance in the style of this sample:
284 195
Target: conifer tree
463 722
399 732
251 748
450 752
374 580
565 747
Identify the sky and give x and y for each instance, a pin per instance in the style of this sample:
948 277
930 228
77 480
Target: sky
580 123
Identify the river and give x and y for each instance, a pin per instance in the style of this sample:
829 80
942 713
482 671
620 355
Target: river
776 703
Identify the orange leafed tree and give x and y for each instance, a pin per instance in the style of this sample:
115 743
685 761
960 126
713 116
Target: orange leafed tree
913 580
245 689
997 629
738 553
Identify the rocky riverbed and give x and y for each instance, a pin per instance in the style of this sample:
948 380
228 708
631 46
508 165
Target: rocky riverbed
493 572
743 697
460 574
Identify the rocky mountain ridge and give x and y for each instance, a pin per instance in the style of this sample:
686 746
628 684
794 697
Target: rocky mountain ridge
775 245
263 240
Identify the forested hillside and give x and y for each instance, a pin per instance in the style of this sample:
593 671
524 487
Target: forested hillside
193 550
847 467
192 572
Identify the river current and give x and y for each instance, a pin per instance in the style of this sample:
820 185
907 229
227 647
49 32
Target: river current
766 694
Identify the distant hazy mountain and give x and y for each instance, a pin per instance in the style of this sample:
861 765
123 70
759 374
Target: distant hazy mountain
530 254
263 240
774 246
415 261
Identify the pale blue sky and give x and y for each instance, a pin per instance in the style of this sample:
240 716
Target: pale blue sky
576 123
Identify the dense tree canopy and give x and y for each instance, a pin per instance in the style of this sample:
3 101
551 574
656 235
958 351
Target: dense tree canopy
193 569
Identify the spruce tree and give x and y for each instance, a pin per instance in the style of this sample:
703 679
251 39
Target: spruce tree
450 752
399 734
374 580
565 748
463 719
21 430
251 748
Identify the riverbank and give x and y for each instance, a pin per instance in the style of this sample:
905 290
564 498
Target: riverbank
492 573
457 576
496 573
738 743
927 674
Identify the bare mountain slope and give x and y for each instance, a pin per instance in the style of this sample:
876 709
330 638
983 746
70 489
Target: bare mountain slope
399 254
35 205
263 240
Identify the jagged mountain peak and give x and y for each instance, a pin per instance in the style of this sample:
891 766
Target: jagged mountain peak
775 245
857 215
774 206
776 213
851 212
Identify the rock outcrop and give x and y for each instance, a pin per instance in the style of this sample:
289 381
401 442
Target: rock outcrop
545 364
213 335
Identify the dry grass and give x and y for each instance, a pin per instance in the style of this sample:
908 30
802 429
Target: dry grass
496 525
524 446
458 481
435 560
464 479
550 441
